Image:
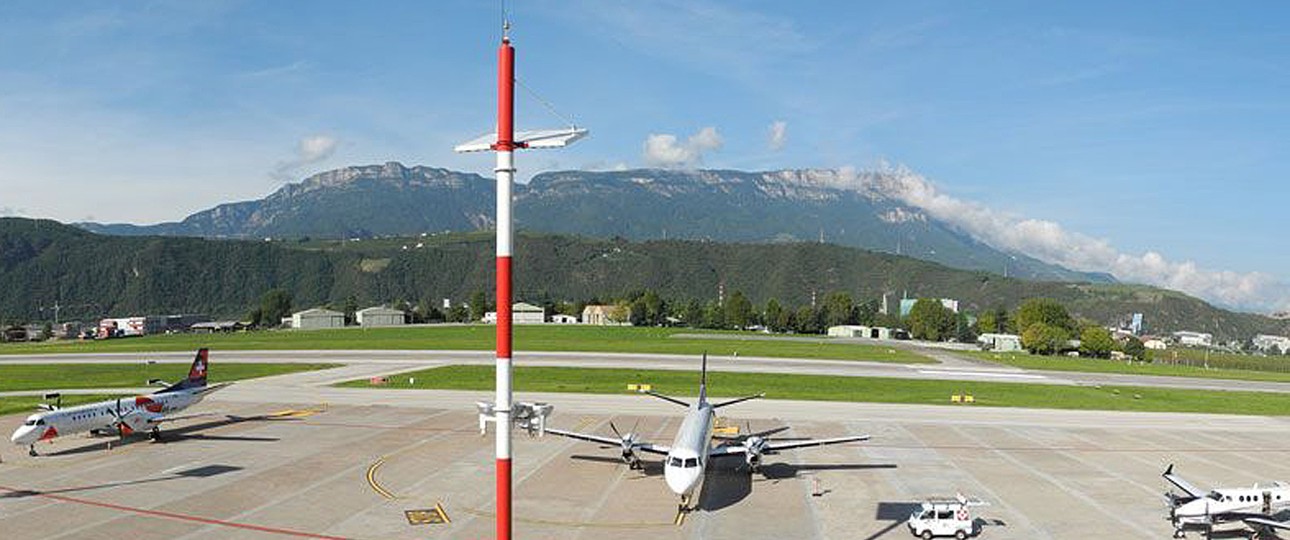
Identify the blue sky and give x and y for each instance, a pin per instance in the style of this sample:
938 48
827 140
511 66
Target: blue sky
1144 126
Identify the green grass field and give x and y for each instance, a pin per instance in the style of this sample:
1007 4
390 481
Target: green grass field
25 404
570 338
858 389
64 376
1255 368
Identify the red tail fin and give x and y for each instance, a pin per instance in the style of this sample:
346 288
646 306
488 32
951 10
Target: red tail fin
197 373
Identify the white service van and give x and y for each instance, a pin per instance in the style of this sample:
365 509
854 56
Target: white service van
943 517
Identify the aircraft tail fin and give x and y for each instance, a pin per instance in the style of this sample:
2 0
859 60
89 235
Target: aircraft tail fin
196 373
703 379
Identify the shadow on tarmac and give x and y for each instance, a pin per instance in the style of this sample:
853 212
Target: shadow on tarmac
205 471
191 431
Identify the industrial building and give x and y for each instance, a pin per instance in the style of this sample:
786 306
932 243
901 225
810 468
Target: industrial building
560 318
999 342
523 313
1265 343
862 331
1194 339
313 319
380 316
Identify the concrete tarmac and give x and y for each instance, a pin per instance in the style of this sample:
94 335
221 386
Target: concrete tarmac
287 456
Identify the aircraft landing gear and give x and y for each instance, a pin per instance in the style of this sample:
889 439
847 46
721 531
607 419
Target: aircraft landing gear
31 450
155 434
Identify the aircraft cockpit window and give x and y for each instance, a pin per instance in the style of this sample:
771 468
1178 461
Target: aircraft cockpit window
691 462
675 462
29 423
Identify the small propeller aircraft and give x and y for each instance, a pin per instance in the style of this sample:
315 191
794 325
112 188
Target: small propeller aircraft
122 416
693 447
1199 510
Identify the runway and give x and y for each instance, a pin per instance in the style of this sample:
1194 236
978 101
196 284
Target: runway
950 367
300 460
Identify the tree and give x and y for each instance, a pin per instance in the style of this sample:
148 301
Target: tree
739 312
1134 348
275 305
993 321
1046 311
458 314
1043 338
620 313
655 308
1096 341
714 316
808 321
930 320
772 314
838 309
351 309
478 305
964 331
47 331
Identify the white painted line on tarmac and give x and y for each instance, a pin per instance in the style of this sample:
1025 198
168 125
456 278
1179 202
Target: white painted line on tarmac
981 374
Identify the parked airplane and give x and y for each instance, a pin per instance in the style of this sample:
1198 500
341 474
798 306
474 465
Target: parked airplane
1200 510
693 447
122 416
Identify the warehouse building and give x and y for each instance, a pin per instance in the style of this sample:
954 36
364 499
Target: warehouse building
313 319
380 316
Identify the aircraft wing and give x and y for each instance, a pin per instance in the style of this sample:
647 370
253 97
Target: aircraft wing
184 417
1182 484
773 446
611 441
1267 522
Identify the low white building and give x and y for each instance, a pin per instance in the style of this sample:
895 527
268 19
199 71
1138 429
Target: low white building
560 318
521 313
999 342
316 318
380 316
860 331
1155 344
524 313
1194 339
1265 343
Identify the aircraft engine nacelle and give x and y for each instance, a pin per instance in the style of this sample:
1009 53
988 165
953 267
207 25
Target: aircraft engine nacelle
754 447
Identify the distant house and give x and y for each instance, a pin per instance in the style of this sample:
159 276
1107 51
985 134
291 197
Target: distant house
605 315
313 319
999 342
380 316
1155 344
1194 339
560 318
1265 343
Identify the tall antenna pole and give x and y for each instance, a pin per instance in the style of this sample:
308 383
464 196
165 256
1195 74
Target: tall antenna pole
505 148
504 142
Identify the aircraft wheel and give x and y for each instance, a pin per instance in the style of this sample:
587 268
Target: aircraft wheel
155 435
31 451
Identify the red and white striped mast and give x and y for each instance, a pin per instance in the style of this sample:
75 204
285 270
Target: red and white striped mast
504 142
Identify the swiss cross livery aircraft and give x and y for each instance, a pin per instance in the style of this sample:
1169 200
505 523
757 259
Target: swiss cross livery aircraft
694 445
122 416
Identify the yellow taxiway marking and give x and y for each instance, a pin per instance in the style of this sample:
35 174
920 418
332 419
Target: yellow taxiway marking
297 413
371 480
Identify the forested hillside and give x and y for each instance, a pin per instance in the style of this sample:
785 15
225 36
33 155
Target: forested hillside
43 261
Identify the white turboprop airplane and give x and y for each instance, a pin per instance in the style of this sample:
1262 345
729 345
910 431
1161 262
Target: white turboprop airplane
122 415
1200 510
693 446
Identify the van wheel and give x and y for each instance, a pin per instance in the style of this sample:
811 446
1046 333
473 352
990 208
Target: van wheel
960 534
927 534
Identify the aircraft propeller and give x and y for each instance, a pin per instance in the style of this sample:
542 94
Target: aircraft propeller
628 445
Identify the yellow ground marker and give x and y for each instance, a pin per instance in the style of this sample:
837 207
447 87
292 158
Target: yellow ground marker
371 480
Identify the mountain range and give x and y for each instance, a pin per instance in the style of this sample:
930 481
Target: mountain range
91 276
643 204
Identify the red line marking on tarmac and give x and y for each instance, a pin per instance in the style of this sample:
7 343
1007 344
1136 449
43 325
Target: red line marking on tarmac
175 516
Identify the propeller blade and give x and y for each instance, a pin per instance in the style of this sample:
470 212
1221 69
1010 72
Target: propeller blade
615 429
634 426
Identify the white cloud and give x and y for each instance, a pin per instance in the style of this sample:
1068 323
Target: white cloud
665 150
1050 242
778 135
9 211
309 150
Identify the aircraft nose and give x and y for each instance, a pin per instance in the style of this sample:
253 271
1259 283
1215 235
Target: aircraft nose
20 435
680 481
